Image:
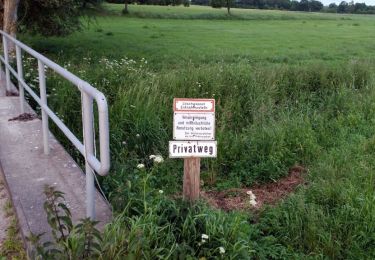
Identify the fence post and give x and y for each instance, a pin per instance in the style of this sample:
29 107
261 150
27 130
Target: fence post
6 58
43 98
191 184
88 141
20 77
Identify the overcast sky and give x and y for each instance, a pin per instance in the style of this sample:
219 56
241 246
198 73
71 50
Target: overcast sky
367 2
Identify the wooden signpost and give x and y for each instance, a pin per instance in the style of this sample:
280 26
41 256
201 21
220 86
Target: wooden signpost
194 137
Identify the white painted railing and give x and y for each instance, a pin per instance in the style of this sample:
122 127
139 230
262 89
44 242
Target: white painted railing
88 93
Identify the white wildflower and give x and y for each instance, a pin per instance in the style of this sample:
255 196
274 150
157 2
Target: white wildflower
222 250
137 135
161 191
253 203
141 166
251 194
204 236
158 159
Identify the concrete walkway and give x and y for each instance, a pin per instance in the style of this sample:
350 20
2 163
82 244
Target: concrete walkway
27 170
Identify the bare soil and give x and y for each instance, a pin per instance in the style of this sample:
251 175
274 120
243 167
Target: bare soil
266 194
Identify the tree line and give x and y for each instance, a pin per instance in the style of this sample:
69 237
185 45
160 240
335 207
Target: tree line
351 7
292 5
303 5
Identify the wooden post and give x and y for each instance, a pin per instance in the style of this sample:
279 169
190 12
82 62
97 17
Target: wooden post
192 168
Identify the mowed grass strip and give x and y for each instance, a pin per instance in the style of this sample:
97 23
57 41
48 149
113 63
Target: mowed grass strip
207 12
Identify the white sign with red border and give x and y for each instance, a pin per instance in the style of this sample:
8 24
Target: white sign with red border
194 105
194 119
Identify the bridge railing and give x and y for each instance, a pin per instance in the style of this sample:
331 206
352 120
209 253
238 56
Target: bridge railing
88 94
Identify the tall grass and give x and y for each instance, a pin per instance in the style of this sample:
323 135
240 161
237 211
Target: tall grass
334 216
269 118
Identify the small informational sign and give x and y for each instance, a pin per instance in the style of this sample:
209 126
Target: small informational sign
187 149
194 126
194 119
194 135
194 105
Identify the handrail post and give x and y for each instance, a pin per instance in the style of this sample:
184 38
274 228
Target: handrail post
20 77
6 58
88 142
43 98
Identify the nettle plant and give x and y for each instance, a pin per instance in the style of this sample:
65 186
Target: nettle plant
81 241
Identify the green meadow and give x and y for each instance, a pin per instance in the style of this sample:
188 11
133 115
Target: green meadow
291 89
259 36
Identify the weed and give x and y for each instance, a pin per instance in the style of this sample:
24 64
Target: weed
12 247
76 242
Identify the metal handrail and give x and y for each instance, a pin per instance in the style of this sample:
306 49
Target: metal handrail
88 92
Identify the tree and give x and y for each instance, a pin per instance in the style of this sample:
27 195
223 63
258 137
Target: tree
8 16
294 5
303 5
216 3
126 8
220 3
229 4
332 8
45 17
315 6
360 8
343 7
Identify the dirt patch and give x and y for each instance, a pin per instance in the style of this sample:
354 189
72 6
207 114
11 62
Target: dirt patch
11 93
268 193
24 117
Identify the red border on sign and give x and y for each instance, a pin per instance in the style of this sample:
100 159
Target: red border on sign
194 99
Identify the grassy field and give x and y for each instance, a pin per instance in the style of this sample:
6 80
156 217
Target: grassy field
291 89
269 36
